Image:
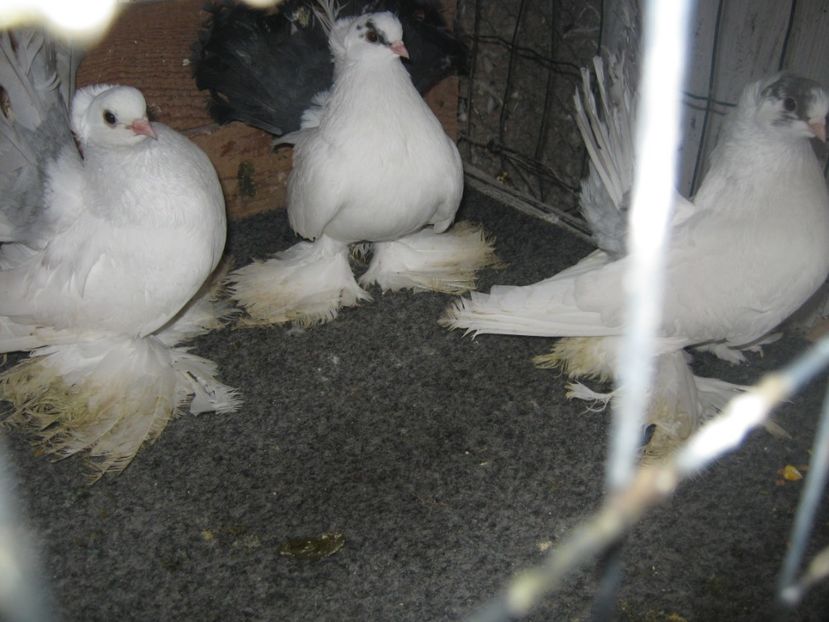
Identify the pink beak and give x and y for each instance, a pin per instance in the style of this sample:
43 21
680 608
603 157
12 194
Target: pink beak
818 127
398 48
142 126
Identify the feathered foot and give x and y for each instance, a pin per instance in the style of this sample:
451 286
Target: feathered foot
715 394
679 403
735 356
109 396
669 423
428 261
676 406
581 357
307 284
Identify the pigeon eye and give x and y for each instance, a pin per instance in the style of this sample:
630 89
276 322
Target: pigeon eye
790 104
109 118
372 37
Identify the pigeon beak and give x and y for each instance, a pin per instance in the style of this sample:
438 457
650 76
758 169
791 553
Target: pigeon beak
142 126
398 48
818 128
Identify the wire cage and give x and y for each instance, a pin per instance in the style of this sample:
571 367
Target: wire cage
517 134
518 131
516 109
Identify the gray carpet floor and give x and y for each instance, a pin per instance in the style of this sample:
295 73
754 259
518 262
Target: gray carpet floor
447 463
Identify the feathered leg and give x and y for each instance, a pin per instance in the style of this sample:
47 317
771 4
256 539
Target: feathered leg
307 284
680 401
428 261
109 396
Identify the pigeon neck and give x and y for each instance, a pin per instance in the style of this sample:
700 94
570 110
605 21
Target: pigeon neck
750 146
376 89
751 164
383 66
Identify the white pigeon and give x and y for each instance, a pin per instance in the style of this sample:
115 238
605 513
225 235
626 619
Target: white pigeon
110 225
751 248
371 164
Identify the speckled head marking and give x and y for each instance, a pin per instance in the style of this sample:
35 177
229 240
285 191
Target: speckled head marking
373 34
801 98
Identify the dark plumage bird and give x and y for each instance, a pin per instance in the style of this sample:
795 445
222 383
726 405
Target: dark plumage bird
263 67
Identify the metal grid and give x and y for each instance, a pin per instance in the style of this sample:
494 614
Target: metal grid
518 137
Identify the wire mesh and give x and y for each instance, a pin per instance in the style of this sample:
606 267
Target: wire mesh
520 145
517 129
519 139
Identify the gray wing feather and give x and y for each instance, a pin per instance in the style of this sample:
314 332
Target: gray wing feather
37 77
607 130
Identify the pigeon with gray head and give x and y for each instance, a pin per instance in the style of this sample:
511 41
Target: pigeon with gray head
264 66
751 248
110 225
372 165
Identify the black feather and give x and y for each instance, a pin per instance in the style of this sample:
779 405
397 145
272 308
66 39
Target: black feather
262 67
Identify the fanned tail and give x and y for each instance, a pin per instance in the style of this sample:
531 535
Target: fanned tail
543 309
109 396
606 128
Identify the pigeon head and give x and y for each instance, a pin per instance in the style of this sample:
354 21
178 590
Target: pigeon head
374 35
793 106
110 116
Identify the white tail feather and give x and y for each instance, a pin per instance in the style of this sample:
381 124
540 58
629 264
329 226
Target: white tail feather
607 132
327 12
580 391
509 311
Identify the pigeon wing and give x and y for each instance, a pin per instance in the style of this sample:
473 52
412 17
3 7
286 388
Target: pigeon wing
37 77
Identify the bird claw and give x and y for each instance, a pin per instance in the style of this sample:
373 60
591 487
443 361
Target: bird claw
735 356
724 353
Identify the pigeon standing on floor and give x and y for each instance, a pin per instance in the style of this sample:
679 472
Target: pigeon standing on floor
264 67
372 165
751 248
109 225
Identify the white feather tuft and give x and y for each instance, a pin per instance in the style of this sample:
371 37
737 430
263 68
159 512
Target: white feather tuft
312 114
327 12
678 403
579 391
606 128
428 261
109 396
307 284
582 357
